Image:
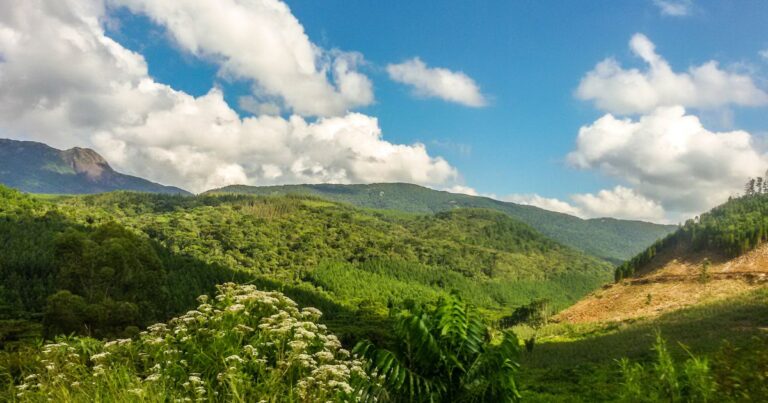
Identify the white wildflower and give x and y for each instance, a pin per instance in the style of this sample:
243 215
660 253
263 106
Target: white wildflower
235 308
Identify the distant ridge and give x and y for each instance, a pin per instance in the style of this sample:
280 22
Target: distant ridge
608 238
38 168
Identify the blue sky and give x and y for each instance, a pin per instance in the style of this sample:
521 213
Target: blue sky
528 59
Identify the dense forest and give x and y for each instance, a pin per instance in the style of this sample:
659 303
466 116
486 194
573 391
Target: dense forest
731 229
109 265
147 297
608 238
91 264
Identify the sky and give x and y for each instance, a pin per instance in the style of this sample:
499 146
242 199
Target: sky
650 109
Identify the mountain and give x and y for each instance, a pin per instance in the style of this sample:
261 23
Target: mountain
720 255
37 168
608 238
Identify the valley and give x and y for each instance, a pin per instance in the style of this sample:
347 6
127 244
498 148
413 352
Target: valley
365 268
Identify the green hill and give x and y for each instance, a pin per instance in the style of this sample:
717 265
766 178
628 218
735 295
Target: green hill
731 229
122 253
608 238
37 168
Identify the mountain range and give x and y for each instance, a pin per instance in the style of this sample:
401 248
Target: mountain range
608 238
38 168
34 167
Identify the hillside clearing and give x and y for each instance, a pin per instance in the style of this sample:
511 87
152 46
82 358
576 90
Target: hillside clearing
671 284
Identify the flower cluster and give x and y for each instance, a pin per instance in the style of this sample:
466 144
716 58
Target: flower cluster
244 344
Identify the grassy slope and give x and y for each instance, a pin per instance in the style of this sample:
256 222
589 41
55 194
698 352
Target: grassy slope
577 362
703 287
610 239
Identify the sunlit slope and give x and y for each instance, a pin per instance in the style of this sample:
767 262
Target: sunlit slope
675 280
719 255
607 238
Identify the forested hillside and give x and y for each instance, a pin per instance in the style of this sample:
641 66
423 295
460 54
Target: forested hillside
731 229
37 168
92 263
608 238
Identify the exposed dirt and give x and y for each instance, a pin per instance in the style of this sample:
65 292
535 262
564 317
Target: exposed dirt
672 281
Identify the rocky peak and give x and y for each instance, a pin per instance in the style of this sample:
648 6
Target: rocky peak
86 161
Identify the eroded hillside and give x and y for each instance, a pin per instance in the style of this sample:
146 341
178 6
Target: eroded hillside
675 279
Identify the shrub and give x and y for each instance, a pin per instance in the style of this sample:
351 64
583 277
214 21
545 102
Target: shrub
244 345
445 354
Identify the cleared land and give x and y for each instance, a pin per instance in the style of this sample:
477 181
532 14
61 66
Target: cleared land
675 280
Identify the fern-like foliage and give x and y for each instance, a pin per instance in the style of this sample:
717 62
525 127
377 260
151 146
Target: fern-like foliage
444 354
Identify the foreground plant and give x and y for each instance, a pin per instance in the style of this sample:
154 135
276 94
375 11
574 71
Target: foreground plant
245 345
445 354
666 380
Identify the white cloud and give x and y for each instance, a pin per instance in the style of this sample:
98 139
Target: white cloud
546 203
669 157
626 91
437 82
764 54
619 202
674 8
66 83
252 105
462 189
261 41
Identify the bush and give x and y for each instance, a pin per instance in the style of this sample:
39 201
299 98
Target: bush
244 345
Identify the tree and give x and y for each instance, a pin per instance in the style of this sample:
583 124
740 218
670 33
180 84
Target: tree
704 271
114 273
444 354
749 187
535 314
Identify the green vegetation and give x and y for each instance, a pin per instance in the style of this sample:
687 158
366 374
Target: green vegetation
445 354
731 229
731 375
580 362
106 265
305 241
665 380
243 345
610 239
440 300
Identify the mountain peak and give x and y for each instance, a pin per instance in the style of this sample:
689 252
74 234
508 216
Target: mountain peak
38 168
87 162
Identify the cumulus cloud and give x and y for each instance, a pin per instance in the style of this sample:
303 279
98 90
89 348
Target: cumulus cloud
546 203
462 189
669 157
615 89
674 8
764 54
262 41
619 202
66 83
435 82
